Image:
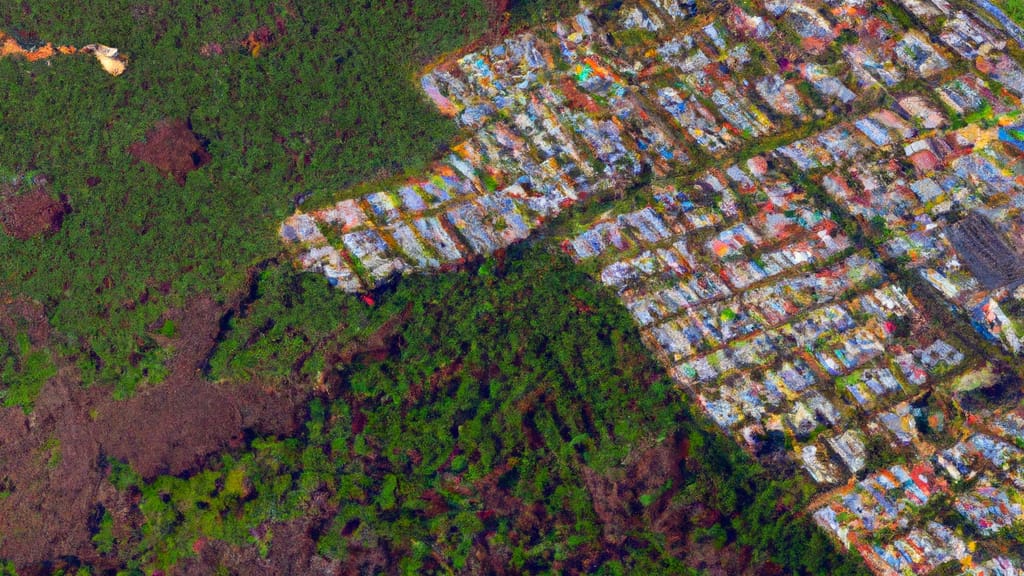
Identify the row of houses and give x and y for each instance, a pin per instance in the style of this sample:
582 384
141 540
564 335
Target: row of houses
557 114
759 354
540 143
877 514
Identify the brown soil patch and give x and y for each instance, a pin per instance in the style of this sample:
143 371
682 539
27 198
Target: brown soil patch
172 148
616 494
616 497
54 462
23 315
26 215
173 427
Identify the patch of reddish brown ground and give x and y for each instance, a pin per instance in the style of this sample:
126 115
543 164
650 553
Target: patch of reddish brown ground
172 148
26 215
22 315
167 428
616 495
616 498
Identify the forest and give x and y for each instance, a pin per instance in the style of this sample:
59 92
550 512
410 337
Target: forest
513 423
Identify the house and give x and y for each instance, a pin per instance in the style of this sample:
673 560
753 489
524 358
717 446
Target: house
825 83
328 261
369 249
817 466
916 53
918 109
849 446
301 228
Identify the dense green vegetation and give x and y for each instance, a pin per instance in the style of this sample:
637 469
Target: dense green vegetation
533 12
330 102
23 371
1014 9
502 391
282 335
